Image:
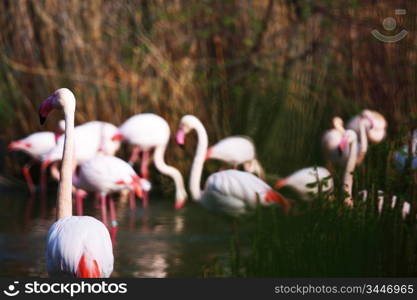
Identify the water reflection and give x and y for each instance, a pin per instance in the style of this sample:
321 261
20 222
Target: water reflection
153 242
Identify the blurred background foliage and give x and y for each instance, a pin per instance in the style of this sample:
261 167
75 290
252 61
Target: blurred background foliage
276 70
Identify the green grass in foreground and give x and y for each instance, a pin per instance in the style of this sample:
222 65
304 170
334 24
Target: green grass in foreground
327 240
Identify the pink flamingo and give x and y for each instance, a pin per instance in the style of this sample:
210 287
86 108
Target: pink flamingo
225 150
306 182
76 246
35 145
373 123
231 192
89 139
106 174
146 132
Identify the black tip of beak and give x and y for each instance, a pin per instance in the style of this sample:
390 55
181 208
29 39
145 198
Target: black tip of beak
42 120
182 146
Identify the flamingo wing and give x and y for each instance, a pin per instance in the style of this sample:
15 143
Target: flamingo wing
234 192
79 247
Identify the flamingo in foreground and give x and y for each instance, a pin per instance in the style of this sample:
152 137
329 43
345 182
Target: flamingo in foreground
106 174
35 145
146 132
76 246
231 192
308 182
237 150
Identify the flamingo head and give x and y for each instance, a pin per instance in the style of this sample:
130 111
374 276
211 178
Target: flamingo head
186 125
275 197
209 153
280 183
61 99
343 143
117 137
17 145
180 136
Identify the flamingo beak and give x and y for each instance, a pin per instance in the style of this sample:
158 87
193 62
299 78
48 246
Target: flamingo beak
137 189
14 145
280 183
273 196
117 137
179 205
343 144
180 137
45 108
209 153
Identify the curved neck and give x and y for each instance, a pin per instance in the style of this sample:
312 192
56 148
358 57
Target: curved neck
363 140
198 163
170 171
64 205
350 167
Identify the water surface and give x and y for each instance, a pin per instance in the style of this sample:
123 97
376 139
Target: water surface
153 242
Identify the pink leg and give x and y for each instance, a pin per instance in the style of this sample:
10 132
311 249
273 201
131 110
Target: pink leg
113 218
144 170
103 208
145 199
97 200
28 178
113 234
79 197
132 200
134 155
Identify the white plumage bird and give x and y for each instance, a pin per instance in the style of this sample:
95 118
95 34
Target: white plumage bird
76 246
106 174
36 146
307 182
237 150
230 192
148 132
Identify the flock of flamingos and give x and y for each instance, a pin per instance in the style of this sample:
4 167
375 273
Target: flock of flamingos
81 246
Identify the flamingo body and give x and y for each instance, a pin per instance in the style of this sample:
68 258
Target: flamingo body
106 174
375 125
234 150
146 131
89 139
235 193
79 247
303 181
36 144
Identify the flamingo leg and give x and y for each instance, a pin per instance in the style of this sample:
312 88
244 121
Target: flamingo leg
144 167
134 156
79 197
113 218
28 178
144 170
97 200
103 208
132 200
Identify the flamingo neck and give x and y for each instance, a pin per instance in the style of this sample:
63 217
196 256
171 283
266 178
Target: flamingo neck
363 141
64 205
198 163
180 193
350 167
